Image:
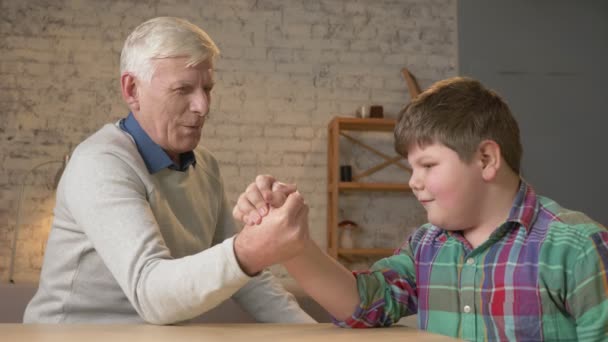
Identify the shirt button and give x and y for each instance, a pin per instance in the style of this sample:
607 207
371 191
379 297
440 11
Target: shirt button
470 261
466 309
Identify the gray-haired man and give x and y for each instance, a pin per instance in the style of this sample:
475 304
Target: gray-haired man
142 229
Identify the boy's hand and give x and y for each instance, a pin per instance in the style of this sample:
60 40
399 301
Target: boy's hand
282 235
259 197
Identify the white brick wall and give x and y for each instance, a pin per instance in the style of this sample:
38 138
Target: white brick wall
287 67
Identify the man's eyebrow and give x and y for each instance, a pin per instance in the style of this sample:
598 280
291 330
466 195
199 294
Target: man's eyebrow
179 83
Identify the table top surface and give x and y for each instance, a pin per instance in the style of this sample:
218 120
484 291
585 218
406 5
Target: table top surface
210 332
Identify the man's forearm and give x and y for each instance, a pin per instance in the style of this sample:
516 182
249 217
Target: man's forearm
325 280
265 298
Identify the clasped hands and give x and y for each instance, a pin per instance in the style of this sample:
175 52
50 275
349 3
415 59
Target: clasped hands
276 224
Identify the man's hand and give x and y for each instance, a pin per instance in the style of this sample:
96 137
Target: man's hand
255 203
282 235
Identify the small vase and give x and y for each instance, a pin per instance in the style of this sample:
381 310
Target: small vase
346 238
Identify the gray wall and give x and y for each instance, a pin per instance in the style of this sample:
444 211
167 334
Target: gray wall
549 60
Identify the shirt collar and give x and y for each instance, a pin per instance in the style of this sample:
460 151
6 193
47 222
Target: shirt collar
153 155
525 206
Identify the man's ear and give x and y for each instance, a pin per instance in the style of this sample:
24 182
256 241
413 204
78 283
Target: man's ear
490 159
129 90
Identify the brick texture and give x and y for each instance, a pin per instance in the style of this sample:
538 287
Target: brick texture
287 67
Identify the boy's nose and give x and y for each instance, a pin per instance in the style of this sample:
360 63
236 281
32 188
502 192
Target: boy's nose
415 182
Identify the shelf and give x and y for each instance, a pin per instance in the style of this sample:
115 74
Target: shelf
347 129
375 252
358 186
361 124
335 188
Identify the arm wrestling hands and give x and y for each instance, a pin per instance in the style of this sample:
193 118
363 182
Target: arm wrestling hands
276 231
276 224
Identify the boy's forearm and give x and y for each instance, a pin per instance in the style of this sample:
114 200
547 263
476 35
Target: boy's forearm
325 280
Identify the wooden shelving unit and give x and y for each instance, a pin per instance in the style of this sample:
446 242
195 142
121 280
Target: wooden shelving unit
337 128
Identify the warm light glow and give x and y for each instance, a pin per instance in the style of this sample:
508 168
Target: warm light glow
37 217
33 206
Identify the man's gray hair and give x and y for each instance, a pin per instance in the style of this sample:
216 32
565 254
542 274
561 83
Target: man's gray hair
164 37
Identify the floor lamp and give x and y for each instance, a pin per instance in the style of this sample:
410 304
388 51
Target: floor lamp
11 269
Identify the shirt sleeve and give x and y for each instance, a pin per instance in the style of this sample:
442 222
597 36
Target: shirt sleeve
588 301
109 202
387 291
263 297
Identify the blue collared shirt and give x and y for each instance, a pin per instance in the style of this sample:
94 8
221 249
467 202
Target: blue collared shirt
153 155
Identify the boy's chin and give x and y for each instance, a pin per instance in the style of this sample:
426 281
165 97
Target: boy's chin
443 225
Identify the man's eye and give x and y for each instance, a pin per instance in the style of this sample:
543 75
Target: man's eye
182 90
208 89
428 166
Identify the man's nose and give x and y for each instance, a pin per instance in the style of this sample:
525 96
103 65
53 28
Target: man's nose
199 103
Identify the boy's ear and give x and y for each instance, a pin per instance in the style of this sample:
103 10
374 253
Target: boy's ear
490 159
128 87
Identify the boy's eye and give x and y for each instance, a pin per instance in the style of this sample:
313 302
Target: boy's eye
428 166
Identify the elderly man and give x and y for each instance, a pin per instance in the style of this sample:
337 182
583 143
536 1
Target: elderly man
142 229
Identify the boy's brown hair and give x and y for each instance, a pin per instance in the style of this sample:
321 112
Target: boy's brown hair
459 113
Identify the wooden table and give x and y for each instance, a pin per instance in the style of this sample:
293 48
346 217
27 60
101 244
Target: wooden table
210 332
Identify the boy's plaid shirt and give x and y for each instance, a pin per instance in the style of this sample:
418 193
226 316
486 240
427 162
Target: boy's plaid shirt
542 275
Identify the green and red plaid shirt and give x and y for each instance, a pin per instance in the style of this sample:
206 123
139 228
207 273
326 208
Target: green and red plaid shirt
542 275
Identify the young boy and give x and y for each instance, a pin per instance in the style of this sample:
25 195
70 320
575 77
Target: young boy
495 262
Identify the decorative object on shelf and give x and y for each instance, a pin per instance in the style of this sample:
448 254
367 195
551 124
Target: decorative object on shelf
347 233
346 173
376 111
362 112
63 162
412 84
